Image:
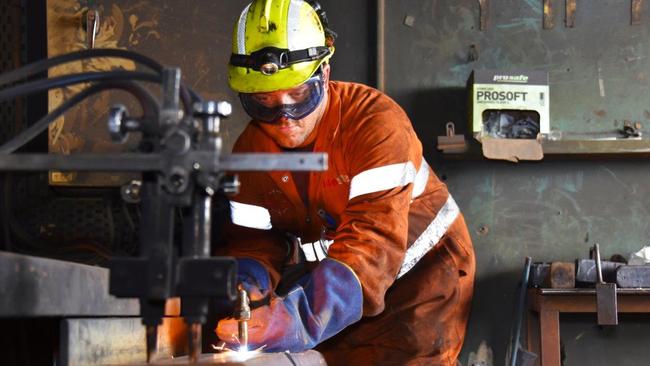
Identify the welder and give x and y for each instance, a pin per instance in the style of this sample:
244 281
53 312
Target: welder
369 262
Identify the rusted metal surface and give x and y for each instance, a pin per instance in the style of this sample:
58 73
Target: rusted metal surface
570 8
563 275
483 14
548 14
549 333
90 342
635 16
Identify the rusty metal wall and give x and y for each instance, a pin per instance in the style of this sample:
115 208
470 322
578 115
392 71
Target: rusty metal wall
554 209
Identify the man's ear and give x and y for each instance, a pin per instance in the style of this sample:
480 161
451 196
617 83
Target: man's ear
326 74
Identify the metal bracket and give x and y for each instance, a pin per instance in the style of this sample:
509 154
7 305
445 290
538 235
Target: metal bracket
635 10
548 14
483 14
570 17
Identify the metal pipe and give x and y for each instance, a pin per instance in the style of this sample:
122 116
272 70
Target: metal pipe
381 45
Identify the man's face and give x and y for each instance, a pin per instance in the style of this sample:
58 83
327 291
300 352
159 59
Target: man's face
290 133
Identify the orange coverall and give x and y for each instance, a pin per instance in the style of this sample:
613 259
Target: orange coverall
380 210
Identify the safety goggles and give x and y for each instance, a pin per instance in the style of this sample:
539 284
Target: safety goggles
306 98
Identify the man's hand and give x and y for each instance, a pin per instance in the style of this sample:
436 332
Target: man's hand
228 329
323 303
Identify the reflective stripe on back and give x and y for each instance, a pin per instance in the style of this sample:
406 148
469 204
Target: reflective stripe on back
317 250
389 177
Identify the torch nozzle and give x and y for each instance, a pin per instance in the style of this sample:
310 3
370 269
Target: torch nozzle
243 315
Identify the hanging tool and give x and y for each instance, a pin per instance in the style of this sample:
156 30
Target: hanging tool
483 16
570 16
517 356
635 12
606 305
90 20
548 14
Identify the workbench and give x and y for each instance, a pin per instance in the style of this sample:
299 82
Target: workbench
546 304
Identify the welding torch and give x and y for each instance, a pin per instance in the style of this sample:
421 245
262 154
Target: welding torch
243 315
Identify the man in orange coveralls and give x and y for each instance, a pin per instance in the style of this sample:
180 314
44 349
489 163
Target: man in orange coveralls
380 265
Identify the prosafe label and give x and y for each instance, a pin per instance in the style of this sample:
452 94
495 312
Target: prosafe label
510 96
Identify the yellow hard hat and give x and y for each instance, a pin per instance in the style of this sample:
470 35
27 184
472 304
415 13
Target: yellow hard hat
278 44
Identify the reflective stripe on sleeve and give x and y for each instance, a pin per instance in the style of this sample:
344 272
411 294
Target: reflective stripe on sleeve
421 179
389 177
382 178
430 236
316 251
256 217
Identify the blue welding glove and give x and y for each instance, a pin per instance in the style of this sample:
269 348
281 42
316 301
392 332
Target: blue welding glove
254 277
323 303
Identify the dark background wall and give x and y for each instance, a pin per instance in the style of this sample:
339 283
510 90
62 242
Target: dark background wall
551 210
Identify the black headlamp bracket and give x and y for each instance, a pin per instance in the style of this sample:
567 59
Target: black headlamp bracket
270 60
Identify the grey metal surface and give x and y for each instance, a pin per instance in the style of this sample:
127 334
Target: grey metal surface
33 287
153 162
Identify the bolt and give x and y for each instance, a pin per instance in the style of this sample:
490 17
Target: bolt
224 109
177 180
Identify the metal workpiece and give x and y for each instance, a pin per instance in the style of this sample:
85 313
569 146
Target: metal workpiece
587 273
195 342
108 341
308 358
41 287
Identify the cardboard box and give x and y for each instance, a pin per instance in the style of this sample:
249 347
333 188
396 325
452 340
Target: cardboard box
509 112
